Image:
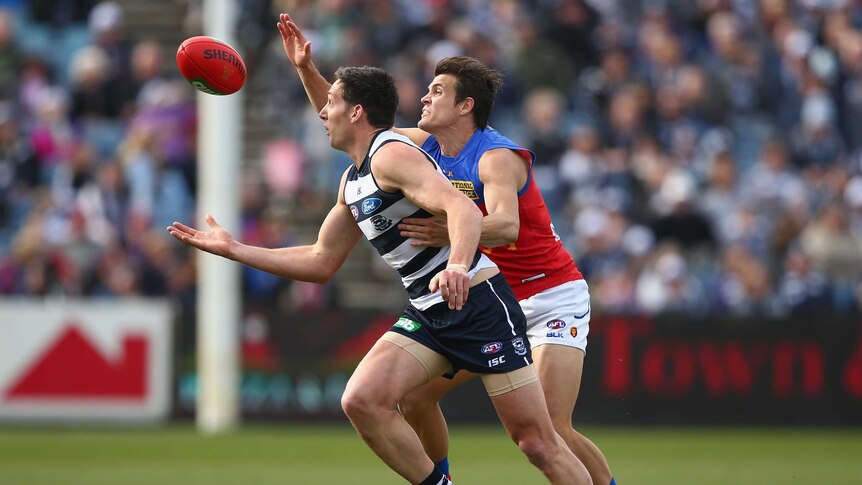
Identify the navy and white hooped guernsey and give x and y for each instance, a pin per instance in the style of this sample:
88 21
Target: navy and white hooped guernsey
378 214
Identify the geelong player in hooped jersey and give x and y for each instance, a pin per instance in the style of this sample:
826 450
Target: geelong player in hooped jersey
517 234
462 313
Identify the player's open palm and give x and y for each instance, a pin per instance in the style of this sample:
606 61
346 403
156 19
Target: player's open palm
297 48
217 240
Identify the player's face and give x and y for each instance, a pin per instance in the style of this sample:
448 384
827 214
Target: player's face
439 108
334 115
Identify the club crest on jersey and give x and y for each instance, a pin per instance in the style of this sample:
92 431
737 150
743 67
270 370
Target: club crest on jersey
370 205
380 223
355 212
556 324
520 347
492 348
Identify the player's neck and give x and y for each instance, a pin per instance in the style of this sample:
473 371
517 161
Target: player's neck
453 138
358 149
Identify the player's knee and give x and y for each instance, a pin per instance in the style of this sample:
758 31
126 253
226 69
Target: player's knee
359 405
413 406
536 449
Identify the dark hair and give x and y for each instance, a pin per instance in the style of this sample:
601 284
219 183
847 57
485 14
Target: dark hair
474 80
374 89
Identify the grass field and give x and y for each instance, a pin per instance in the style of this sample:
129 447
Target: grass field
334 455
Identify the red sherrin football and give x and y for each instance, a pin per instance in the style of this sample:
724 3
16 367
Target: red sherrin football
210 65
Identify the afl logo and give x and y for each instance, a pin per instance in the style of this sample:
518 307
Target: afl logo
492 348
370 205
354 212
556 324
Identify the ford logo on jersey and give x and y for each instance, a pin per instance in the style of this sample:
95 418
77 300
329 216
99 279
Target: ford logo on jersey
370 205
492 348
556 324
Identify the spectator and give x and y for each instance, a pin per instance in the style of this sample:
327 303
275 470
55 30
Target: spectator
680 143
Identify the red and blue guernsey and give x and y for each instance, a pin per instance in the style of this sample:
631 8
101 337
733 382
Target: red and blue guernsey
537 260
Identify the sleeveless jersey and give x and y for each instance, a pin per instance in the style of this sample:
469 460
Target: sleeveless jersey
378 214
537 260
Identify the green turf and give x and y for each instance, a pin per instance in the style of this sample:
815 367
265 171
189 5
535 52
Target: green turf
334 455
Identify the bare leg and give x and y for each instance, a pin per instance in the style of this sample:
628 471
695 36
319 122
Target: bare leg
421 408
560 368
369 401
523 413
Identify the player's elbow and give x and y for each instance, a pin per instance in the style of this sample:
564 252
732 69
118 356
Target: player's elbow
510 232
473 211
323 272
320 279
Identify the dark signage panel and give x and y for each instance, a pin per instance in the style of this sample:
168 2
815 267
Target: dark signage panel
638 370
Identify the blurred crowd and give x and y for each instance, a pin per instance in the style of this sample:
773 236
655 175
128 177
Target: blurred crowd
700 156
97 155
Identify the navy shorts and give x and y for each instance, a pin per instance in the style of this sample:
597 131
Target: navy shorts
487 336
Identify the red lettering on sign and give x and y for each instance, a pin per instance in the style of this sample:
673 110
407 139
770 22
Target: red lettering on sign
668 369
809 357
618 334
728 368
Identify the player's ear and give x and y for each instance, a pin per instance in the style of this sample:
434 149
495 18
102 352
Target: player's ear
356 113
467 105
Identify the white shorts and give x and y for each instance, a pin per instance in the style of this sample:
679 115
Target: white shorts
559 315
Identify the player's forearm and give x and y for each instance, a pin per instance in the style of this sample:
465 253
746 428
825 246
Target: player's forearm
497 230
298 263
465 227
316 86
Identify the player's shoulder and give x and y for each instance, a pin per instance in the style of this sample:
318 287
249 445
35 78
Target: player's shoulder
398 154
397 146
416 135
500 155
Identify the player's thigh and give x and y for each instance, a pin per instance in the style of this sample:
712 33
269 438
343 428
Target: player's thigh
387 373
559 315
520 404
560 368
436 388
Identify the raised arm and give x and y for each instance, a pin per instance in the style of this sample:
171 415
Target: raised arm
298 51
315 263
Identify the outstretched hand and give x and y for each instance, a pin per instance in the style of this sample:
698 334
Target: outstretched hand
217 240
297 48
431 231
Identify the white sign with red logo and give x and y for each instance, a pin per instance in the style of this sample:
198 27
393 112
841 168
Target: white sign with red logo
85 360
